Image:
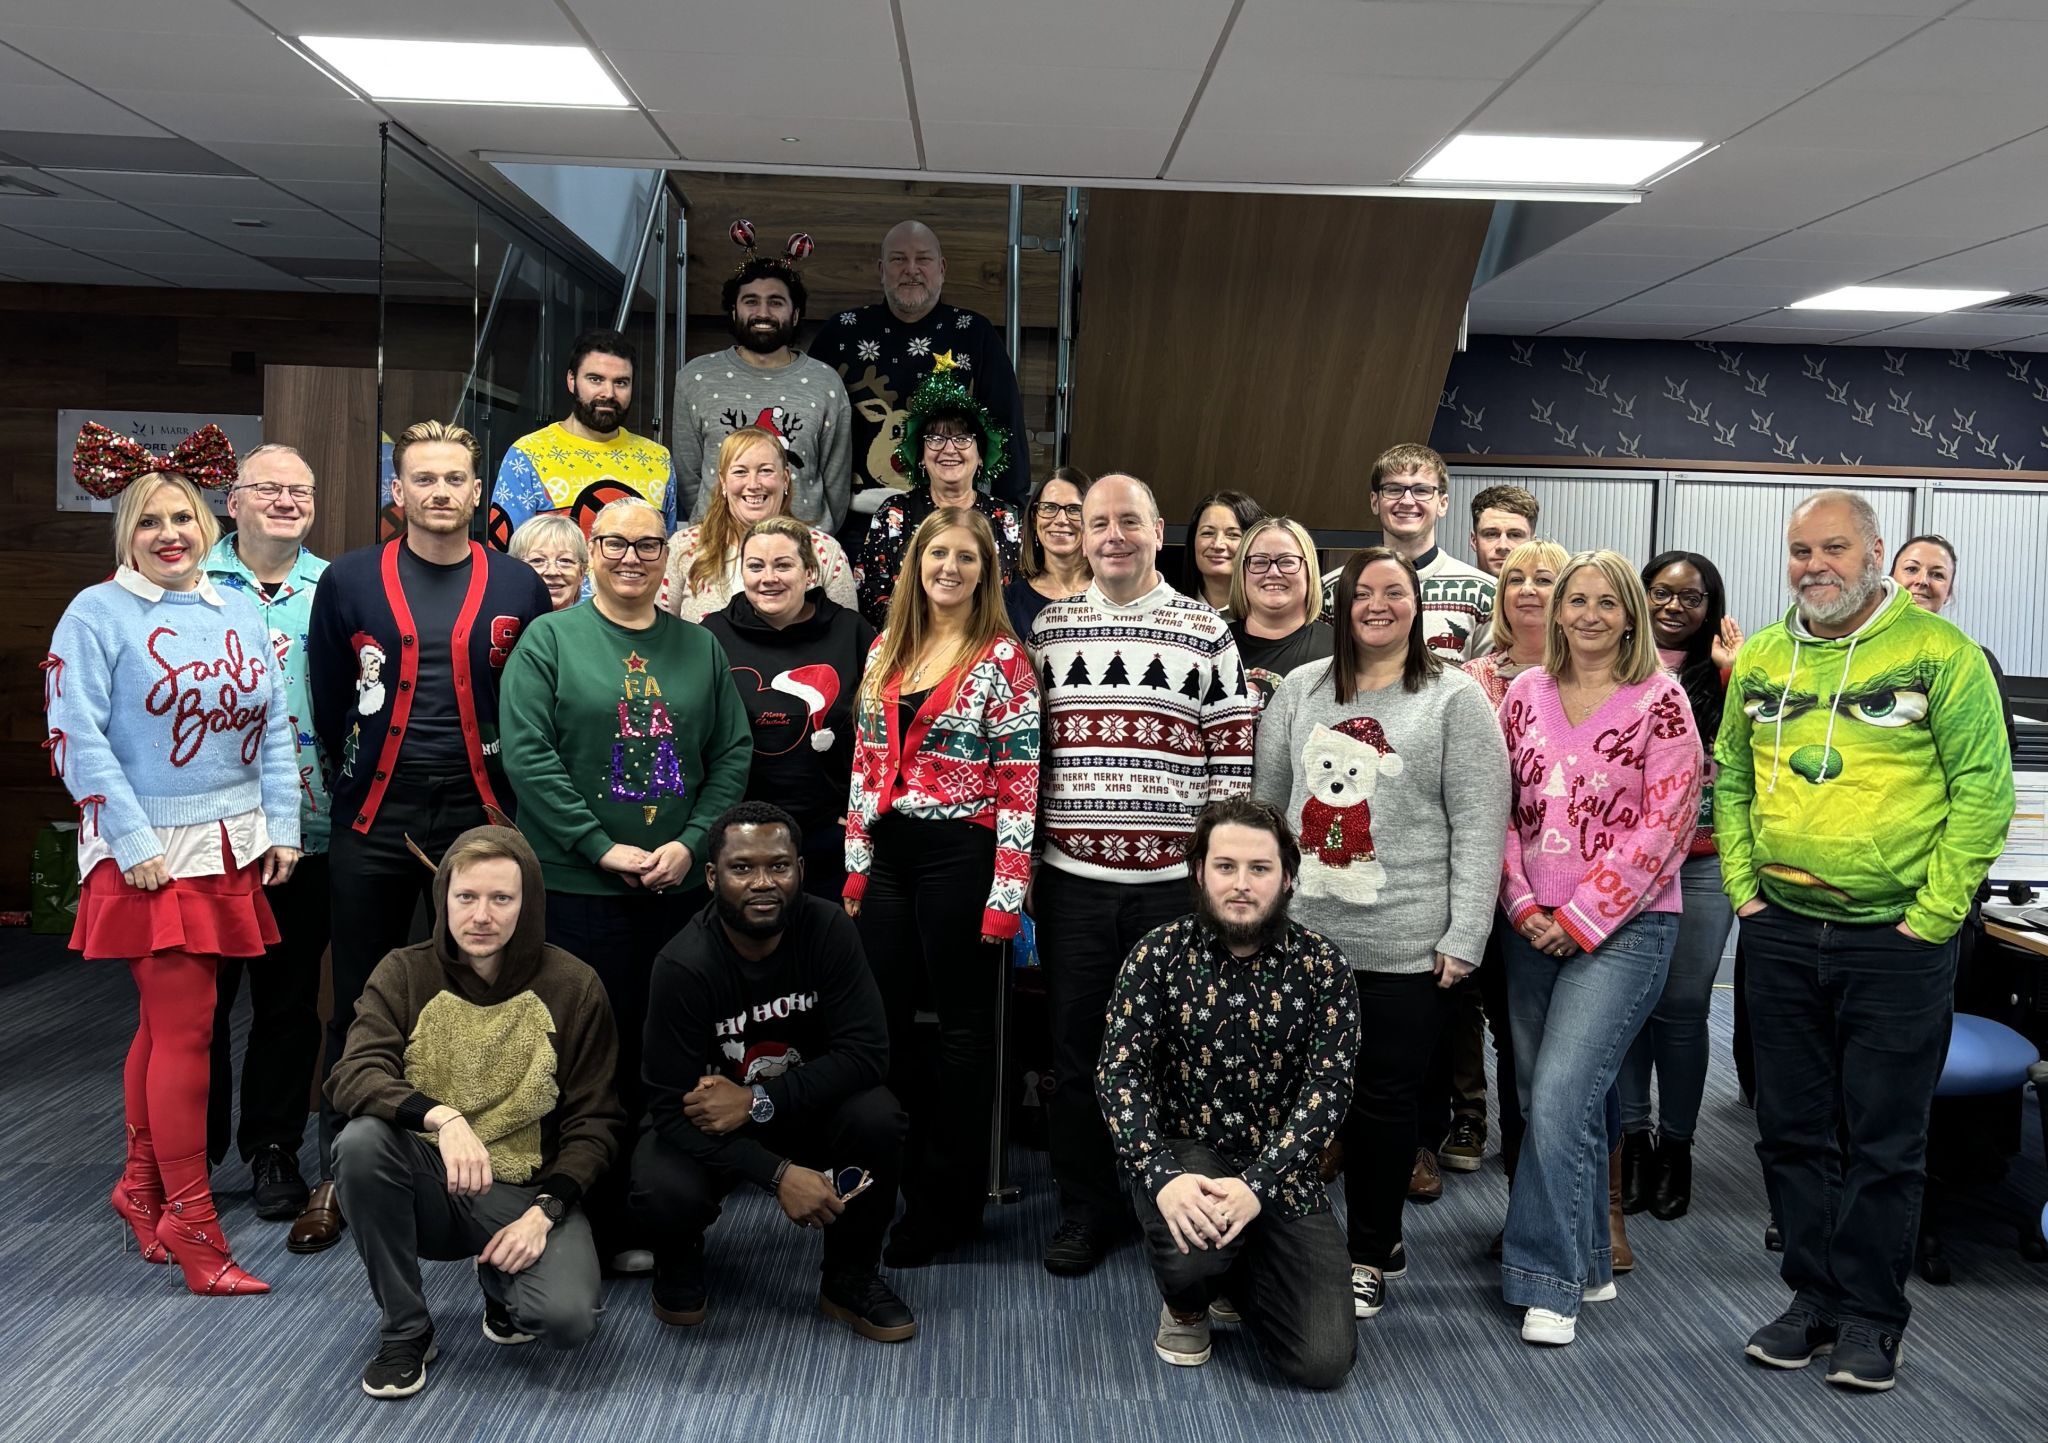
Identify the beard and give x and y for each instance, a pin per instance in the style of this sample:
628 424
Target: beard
1260 932
603 418
766 341
734 915
1855 595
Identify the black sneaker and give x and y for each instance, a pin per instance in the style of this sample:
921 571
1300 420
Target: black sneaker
1368 1293
1397 1262
1774 1240
865 1303
280 1188
499 1327
400 1369
1075 1249
1866 1357
679 1297
1794 1339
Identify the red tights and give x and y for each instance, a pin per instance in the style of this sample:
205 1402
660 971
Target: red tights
164 1083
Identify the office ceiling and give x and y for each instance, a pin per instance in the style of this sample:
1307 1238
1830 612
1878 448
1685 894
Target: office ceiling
1860 140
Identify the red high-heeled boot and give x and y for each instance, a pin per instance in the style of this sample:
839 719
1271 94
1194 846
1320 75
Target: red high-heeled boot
190 1229
139 1195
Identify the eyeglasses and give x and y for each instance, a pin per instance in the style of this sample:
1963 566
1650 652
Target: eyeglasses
1423 491
1664 595
1260 565
851 1182
555 565
269 491
947 443
1049 510
614 548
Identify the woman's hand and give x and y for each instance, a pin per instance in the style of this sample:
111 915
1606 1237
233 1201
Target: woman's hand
1546 936
1450 971
667 865
148 876
852 905
631 863
277 865
1727 642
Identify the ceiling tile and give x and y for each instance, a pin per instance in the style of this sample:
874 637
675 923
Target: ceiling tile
152 57
1169 34
1344 131
163 240
1059 151
1537 105
2017 263
71 268
1677 45
865 86
219 221
320 115
825 140
1965 56
358 162
534 21
527 129
1748 185
1809 335
228 190
1620 234
63 106
759 34
1286 39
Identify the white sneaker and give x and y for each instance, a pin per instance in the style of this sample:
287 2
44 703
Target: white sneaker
1540 1325
1604 1293
633 1260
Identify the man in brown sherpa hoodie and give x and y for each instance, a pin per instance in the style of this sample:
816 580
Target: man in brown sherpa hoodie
477 1082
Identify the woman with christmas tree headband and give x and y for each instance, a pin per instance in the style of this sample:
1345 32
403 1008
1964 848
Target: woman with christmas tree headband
938 850
953 451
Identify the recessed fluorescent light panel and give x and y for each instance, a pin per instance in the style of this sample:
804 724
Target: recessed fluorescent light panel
462 72
1919 300
1551 160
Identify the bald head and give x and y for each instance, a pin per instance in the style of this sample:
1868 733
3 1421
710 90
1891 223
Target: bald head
913 270
1121 536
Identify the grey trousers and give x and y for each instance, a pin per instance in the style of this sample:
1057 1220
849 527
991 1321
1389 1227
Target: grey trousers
1290 1279
394 1193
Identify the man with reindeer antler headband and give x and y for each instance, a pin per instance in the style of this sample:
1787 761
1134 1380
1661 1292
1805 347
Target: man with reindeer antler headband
763 380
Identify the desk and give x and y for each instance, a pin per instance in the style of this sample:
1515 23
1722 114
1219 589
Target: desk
2019 937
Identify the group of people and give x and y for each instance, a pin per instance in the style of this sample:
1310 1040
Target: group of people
640 848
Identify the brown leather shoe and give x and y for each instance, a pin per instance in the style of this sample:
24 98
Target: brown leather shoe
1617 1224
1425 1183
319 1223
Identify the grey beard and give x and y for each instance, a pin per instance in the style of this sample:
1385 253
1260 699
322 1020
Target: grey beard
1851 601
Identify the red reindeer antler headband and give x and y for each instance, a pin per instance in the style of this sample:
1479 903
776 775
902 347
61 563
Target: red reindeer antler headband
798 247
104 461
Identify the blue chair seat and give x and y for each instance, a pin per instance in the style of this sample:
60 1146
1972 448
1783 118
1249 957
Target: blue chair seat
1984 1057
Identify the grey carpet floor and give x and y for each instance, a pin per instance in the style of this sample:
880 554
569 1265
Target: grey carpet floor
96 1345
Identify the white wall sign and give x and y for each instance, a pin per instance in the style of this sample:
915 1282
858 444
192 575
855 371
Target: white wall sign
160 431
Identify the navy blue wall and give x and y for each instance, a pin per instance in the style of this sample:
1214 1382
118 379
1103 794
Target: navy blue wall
1771 405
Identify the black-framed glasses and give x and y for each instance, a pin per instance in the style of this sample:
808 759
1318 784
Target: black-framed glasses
851 1182
1051 510
1260 565
614 548
934 442
1420 490
269 491
1664 596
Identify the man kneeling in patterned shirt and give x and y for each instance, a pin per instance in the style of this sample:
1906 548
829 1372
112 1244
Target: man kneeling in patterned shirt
1226 1069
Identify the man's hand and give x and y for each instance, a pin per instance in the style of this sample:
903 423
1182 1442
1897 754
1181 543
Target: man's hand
808 1198
1906 931
518 1245
277 865
467 1159
147 876
1236 1202
1755 905
1450 971
628 862
1194 1215
718 1105
667 865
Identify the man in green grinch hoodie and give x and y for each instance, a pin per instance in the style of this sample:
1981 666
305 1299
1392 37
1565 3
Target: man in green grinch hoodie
1864 790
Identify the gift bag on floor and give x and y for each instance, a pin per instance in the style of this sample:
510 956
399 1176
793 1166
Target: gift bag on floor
53 880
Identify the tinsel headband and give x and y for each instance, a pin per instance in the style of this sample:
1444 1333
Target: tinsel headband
104 462
943 394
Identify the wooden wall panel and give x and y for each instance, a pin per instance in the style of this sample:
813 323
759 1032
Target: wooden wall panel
1273 344
330 414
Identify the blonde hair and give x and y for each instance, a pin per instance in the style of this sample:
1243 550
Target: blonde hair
719 531
139 493
1527 557
1240 592
550 528
789 529
470 850
1638 659
420 433
910 610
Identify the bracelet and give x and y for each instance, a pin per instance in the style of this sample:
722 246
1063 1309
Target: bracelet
779 1171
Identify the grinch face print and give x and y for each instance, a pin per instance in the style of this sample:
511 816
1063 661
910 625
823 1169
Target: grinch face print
1343 766
645 767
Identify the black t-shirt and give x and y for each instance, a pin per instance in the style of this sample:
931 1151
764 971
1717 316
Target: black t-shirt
1268 659
433 733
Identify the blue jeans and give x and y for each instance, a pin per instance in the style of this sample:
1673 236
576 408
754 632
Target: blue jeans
1573 1019
1849 1024
1674 1040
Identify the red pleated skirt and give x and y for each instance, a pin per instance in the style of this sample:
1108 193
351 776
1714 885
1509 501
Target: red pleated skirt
224 916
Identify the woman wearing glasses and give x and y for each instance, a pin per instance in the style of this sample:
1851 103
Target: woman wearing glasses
625 740
1279 623
704 559
951 449
553 545
1052 566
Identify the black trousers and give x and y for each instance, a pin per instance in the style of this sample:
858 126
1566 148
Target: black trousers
675 1197
824 857
284 1024
1457 1082
1286 1277
619 936
1406 1012
920 924
378 886
1086 928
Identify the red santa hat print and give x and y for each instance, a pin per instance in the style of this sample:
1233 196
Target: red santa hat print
1368 730
817 687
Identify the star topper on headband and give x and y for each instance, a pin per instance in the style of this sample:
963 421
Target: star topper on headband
797 248
104 462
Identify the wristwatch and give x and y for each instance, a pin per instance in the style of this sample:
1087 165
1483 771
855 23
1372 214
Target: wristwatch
763 1107
552 1208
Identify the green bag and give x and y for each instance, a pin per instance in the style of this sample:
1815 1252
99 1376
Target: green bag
53 880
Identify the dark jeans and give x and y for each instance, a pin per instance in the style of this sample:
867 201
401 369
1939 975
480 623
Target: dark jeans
619 937
920 924
1287 1277
1849 1023
377 886
824 856
1086 928
675 1197
1407 1011
1673 1042
1493 997
284 1024
394 1189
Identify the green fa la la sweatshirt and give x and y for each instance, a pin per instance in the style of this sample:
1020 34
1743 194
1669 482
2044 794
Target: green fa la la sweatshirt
614 736
1864 778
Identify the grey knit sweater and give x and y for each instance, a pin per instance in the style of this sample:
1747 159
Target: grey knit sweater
1400 801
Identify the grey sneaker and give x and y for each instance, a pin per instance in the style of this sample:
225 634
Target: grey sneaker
1793 1339
1185 1345
1222 1310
